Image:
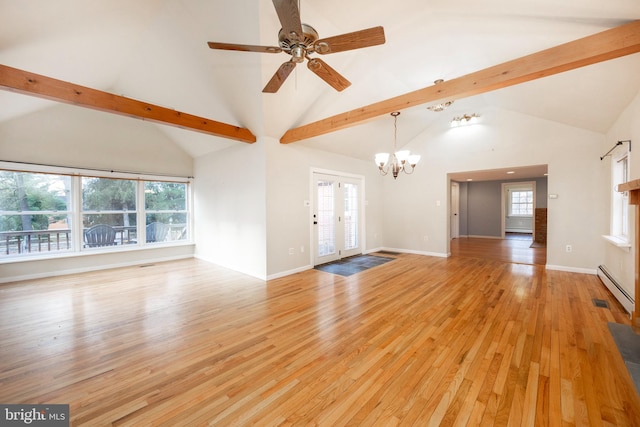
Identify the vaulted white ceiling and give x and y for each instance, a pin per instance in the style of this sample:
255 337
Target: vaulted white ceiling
156 51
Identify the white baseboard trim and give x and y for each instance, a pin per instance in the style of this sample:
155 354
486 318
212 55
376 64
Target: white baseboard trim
91 268
289 272
369 251
593 271
232 268
410 251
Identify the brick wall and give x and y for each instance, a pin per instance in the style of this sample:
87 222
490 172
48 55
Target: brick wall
540 219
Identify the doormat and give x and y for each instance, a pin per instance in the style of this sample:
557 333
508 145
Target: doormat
352 265
628 343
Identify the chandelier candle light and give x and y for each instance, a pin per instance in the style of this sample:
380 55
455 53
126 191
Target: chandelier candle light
399 160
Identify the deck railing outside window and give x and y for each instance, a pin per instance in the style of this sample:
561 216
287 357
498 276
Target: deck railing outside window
17 242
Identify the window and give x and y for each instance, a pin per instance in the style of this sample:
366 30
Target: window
42 214
166 211
521 203
620 201
35 213
109 202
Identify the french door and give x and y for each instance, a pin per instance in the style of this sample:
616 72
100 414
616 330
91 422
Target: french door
336 217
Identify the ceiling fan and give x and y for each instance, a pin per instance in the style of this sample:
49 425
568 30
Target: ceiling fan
301 40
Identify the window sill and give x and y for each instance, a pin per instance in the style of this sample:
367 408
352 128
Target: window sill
48 256
620 242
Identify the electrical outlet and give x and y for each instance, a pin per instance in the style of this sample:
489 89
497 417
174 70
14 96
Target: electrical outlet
292 251
568 248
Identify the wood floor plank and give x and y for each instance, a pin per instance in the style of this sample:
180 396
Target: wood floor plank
462 341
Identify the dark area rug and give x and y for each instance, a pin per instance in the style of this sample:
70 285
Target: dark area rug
538 245
628 343
352 265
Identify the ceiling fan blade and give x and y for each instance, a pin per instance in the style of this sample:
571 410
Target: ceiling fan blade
279 77
349 41
244 47
289 16
328 74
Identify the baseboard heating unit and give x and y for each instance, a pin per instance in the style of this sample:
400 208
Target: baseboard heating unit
614 287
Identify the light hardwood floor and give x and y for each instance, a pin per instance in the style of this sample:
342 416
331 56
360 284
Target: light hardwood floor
515 248
417 341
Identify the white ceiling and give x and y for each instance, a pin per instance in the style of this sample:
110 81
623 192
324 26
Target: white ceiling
156 51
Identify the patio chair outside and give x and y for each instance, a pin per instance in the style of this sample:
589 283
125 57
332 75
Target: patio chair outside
100 235
157 232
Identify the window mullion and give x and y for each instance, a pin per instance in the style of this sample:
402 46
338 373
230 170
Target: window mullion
141 216
76 208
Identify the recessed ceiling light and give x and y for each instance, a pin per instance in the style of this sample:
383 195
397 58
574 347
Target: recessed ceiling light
510 172
469 179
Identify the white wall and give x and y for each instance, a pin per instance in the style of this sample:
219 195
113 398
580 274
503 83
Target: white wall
249 199
620 262
289 222
419 220
65 135
230 208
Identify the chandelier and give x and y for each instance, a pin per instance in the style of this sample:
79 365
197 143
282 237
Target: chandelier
399 161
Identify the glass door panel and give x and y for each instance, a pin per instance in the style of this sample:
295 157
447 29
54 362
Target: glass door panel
326 218
351 221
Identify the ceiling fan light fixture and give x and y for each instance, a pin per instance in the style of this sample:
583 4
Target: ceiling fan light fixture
298 54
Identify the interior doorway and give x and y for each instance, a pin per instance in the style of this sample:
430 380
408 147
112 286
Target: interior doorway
480 224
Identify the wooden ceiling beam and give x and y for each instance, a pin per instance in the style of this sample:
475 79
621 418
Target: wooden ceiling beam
15 80
610 44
